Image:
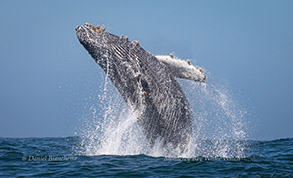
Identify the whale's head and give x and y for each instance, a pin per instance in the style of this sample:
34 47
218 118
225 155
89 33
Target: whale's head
96 41
90 36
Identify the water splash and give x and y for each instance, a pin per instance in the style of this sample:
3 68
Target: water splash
218 125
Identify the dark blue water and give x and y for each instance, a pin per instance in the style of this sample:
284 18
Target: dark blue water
59 157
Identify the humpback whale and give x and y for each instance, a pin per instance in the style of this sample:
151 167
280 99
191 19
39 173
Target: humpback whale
147 83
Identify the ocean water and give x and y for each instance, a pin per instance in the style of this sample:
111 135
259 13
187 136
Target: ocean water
111 143
59 157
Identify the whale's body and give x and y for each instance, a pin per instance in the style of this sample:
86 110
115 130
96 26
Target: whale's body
145 83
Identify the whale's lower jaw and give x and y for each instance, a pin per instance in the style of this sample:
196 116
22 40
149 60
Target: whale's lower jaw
145 83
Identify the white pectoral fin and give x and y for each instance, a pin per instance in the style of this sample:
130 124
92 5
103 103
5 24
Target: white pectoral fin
182 69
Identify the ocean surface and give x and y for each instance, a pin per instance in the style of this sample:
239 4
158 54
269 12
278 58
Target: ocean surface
62 157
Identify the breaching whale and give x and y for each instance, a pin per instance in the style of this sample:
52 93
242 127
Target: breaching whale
146 83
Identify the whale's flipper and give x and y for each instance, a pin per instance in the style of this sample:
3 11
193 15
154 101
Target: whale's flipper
182 69
144 82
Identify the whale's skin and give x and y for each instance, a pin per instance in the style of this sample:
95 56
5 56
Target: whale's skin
145 84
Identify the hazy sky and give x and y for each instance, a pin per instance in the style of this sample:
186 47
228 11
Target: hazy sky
46 75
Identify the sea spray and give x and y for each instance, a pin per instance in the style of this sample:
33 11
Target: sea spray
111 128
218 125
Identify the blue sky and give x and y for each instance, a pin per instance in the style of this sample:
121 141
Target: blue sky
45 74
